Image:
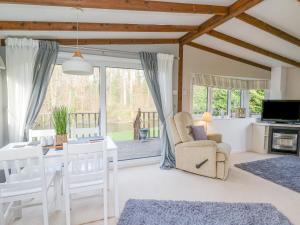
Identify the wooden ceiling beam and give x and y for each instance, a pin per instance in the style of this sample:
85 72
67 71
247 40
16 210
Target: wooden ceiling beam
252 47
137 5
268 28
226 55
234 10
116 41
109 41
71 26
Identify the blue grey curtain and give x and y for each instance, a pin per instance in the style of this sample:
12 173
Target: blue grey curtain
149 63
44 65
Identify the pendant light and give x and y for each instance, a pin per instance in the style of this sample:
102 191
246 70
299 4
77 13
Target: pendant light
77 65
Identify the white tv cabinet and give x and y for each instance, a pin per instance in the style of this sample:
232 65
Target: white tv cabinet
260 135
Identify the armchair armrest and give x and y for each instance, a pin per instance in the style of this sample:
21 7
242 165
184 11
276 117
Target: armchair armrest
204 143
215 137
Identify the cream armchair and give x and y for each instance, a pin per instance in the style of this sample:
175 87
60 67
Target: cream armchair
207 157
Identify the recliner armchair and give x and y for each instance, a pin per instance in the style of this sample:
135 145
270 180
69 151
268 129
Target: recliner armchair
206 157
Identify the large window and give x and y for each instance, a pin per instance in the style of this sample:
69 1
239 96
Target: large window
219 102
255 101
224 102
199 99
79 93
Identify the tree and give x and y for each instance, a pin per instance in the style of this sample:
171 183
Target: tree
255 101
219 101
199 99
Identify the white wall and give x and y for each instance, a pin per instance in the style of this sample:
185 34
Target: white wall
198 61
278 83
293 83
235 131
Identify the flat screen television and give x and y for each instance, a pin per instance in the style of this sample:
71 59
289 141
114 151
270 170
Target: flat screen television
281 111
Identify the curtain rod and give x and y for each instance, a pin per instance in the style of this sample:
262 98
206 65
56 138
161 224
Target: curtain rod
103 50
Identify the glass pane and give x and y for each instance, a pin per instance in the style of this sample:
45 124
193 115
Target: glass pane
255 101
219 101
79 93
199 99
235 99
126 93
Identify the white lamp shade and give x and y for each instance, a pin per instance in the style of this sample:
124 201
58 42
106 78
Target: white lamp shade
77 66
2 65
207 117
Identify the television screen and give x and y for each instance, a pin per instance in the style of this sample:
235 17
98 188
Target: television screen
281 110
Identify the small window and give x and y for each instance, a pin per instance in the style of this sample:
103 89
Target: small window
255 101
235 99
219 101
199 99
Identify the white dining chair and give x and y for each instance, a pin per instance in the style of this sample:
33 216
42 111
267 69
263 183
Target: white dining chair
36 135
84 132
85 169
25 178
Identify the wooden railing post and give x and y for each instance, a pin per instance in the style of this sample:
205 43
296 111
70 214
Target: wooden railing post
137 125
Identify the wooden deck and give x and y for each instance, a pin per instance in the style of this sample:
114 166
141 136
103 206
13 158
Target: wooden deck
135 149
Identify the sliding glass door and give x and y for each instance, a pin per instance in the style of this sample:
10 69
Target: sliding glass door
130 109
114 100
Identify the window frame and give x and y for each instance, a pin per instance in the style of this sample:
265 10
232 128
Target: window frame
244 101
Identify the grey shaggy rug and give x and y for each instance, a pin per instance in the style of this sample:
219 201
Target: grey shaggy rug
153 212
284 170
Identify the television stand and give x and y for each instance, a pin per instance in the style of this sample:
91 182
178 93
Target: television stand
262 135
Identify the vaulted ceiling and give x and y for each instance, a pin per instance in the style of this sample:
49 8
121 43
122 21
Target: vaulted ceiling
263 32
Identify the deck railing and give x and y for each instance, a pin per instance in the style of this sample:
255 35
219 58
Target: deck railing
148 120
76 120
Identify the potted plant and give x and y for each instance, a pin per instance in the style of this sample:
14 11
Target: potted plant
60 120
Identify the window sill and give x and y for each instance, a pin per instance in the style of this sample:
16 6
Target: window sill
198 117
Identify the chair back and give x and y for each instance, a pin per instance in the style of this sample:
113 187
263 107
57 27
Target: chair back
36 135
22 167
85 160
175 135
85 132
183 122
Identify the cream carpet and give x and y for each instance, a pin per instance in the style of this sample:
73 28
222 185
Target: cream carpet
149 182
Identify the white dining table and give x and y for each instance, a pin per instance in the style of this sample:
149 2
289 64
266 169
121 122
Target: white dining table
112 153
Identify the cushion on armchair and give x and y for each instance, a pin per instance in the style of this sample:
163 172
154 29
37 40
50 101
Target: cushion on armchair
198 133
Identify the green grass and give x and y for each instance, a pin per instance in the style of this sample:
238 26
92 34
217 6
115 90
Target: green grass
121 135
124 135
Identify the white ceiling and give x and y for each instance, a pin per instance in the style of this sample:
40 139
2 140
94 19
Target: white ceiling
237 51
14 12
253 35
283 14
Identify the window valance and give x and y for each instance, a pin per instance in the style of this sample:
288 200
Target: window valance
229 82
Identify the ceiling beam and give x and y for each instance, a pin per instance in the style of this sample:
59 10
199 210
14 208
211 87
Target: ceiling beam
234 10
252 47
116 41
217 52
268 28
180 79
136 5
71 26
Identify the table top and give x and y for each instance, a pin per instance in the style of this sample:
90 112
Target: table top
52 152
